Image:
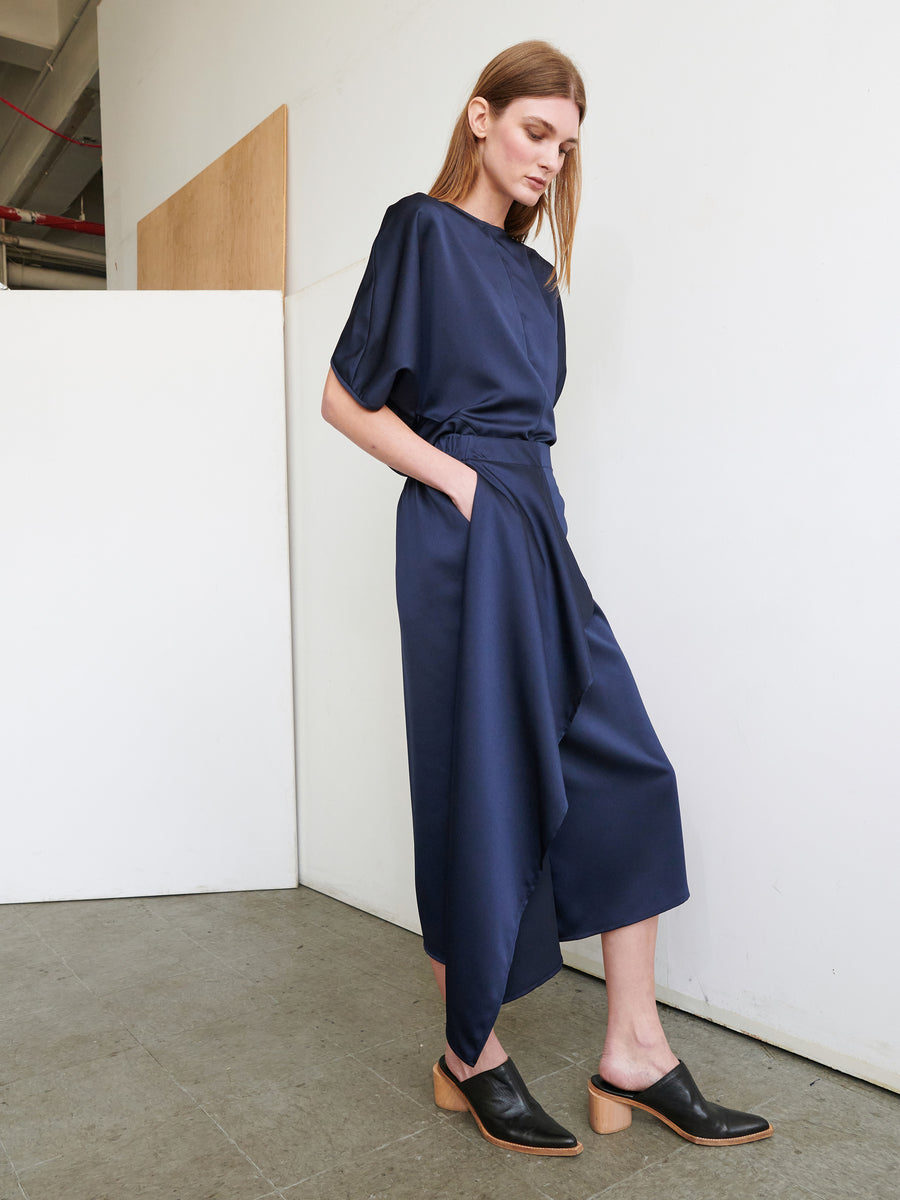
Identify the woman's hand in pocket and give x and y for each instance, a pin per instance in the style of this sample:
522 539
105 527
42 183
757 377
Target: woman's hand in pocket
463 495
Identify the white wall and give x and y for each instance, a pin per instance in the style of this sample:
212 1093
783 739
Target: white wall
724 435
146 740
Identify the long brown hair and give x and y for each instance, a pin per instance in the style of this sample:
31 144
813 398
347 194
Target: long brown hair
526 69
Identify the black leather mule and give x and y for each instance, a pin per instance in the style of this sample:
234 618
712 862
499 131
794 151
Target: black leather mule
504 1110
676 1100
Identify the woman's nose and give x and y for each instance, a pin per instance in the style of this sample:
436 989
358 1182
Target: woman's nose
548 163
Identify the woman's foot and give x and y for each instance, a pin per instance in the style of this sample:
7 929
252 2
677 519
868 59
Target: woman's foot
506 1113
636 1067
675 1100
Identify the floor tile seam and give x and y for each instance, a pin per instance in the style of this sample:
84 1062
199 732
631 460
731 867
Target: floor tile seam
52 1070
393 974
225 962
191 937
369 1047
28 922
286 1187
10 920
570 1066
201 1104
519 1170
28 1168
771 1101
350 1161
245 964
324 1062
806 1192
271 1182
13 1168
224 926
34 1010
674 1153
137 1031
181 1087
59 955
220 962
321 1064
169 921
361 969
125 986
390 1084
91 990
454 1121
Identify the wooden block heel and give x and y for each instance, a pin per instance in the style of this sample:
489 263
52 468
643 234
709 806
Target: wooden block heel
605 1115
446 1094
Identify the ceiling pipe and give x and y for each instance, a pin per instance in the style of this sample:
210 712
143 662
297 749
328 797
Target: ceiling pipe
87 258
47 69
36 218
41 277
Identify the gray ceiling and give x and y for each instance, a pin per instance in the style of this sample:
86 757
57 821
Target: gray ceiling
49 68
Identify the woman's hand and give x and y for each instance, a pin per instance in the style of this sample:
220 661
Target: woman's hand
383 435
464 496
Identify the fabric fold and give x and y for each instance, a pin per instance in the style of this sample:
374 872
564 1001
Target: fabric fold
523 665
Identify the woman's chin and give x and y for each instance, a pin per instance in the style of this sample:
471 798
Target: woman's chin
529 197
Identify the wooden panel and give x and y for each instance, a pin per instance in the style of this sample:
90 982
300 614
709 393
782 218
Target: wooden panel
226 228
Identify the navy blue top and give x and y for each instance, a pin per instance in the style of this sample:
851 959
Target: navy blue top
454 327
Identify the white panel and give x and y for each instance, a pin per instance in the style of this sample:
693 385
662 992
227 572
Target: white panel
145 694
728 441
356 830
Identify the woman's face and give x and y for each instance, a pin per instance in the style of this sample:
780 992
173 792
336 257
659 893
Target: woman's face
524 148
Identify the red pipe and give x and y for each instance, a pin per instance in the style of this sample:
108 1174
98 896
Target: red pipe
36 218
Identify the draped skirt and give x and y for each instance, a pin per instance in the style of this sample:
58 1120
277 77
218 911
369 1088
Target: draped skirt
544 807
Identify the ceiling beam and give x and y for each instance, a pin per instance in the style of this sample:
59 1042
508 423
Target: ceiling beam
52 102
35 22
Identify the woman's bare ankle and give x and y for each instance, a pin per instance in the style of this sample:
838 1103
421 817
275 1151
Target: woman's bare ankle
636 1067
491 1056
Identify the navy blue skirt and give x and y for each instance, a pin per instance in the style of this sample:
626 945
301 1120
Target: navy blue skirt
544 807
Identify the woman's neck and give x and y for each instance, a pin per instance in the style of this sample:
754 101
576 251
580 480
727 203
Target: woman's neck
486 203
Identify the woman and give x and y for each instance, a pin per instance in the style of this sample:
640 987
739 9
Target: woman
544 807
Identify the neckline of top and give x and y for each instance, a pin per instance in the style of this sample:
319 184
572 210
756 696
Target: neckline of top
495 229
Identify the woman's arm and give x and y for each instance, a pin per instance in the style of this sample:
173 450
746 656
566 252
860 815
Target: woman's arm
383 435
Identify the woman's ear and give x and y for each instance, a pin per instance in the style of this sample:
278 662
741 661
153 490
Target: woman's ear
478 112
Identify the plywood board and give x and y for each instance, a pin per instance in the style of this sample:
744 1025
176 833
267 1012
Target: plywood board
226 228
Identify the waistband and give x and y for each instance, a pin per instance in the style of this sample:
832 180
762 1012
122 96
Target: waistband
494 449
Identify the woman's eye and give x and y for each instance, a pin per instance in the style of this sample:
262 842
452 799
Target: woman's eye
535 137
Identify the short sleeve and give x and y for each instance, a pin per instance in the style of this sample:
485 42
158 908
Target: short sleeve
376 358
560 348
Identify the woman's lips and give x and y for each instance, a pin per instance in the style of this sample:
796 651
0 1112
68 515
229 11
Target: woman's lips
537 184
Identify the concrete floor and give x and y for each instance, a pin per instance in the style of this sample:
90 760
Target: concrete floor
280 1044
